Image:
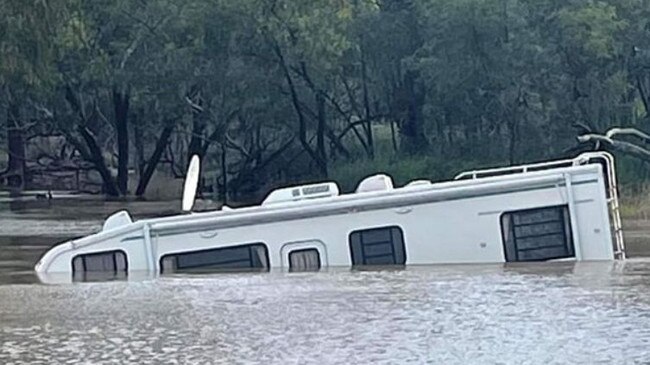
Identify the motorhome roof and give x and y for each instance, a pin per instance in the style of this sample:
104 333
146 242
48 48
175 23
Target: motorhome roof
368 200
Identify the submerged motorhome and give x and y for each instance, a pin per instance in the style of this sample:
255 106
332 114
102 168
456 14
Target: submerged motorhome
555 210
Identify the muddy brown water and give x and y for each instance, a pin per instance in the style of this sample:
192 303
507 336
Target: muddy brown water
29 228
559 313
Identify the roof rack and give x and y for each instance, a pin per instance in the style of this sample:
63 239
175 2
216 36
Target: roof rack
476 174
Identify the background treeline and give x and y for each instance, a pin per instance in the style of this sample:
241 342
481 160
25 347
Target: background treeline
277 91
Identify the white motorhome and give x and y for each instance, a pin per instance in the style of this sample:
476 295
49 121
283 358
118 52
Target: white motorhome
556 210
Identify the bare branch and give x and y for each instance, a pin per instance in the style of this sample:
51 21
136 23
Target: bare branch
232 144
624 147
627 131
138 38
594 138
642 93
196 108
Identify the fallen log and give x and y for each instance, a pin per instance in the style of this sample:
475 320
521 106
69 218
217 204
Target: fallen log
621 146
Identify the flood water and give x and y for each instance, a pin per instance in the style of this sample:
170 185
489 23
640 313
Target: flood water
558 313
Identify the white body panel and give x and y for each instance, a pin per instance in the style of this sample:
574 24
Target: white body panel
450 222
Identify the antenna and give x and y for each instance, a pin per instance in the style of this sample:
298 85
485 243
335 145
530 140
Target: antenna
191 183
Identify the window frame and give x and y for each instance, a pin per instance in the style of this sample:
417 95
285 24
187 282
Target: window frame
364 258
83 256
265 268
567 232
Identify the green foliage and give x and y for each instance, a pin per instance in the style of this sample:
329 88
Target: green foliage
401 167
294 90
594 27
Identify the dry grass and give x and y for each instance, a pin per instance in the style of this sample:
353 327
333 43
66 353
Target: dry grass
635 204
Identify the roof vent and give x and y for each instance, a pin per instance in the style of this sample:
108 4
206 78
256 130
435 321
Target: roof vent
298 193
378 182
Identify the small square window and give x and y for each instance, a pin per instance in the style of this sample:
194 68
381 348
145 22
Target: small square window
537 234
100 265
378 246
304 260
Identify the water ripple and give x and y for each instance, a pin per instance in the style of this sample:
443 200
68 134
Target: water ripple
533 314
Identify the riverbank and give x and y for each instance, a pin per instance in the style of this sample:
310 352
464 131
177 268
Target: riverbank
68 214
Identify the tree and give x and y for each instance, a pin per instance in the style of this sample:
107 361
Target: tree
25 72
271 92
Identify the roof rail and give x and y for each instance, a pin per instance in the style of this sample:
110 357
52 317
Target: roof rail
475 174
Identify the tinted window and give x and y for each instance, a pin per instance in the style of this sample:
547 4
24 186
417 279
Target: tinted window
304 260
234 258
537 234
378 246
109 264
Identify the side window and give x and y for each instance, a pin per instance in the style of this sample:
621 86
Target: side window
304 260
537 234
249 257
108 262
378 246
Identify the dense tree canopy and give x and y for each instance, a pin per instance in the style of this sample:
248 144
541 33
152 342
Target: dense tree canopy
272 91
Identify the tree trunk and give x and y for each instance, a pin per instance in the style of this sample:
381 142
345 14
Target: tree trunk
642 94
96 157
138 144
198 128
320 133
412 128
302 123
16 149
224 173
513 136
393 138
151 165
366 108
121 105
91 152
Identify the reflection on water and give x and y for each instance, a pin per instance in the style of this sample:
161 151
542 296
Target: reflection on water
538 314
